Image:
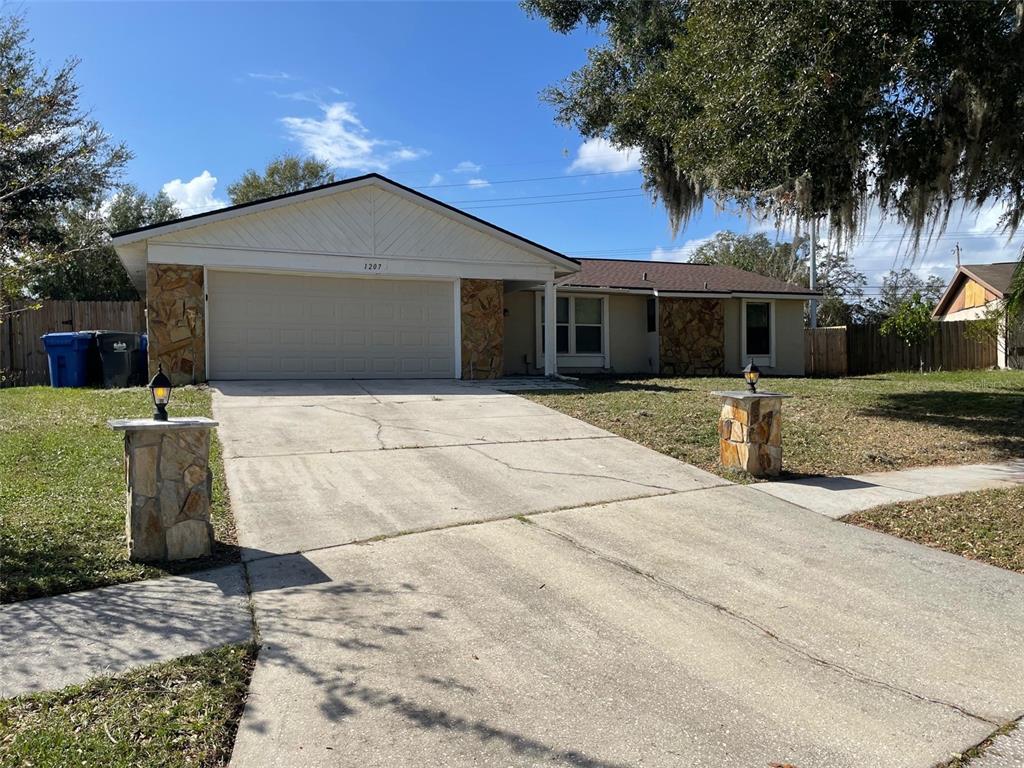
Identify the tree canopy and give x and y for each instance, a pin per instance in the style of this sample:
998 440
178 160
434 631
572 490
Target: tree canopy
911 322
288 173
94 272
901 286
754 253
807 108
841 284
55 161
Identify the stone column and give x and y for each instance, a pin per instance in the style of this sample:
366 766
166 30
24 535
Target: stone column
167 469
750 432
483 329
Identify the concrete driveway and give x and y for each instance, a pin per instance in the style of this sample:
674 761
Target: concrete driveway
570 598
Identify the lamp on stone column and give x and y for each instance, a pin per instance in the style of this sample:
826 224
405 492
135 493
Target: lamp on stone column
751 374
160 388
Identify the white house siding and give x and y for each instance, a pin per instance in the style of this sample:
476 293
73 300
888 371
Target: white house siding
971 313
365 230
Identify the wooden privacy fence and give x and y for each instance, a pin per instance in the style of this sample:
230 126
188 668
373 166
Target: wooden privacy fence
825 351
857 350
23 359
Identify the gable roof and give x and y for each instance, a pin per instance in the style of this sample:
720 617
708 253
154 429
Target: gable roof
672 277
996 277
242 209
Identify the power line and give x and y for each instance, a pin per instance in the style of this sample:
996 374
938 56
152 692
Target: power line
537 197
522 181
550 202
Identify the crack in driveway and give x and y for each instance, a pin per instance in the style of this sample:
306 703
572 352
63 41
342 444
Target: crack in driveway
754 624
508 465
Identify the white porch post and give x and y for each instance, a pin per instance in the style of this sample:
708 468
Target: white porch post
550 320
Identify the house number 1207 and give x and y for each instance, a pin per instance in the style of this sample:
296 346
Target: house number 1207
373 266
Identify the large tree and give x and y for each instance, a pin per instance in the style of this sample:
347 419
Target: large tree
842 290
288 173
900 287
807 108
754 253
840 283
54 161
95 273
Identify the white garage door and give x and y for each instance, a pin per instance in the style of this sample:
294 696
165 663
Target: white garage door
296 327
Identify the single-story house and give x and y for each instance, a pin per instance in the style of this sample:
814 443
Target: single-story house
976 291
366 278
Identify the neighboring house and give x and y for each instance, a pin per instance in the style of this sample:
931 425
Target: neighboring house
978 291
366 278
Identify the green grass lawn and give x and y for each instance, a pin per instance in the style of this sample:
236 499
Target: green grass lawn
62 495
981 525
181 713
830 426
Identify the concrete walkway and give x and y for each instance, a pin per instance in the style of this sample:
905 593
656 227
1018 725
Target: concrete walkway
53 642
837 497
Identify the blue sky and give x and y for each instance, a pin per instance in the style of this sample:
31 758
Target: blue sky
443 97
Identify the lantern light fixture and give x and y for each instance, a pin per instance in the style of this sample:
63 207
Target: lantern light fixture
160 387
751 374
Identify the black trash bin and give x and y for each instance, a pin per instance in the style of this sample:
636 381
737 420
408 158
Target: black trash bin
119 355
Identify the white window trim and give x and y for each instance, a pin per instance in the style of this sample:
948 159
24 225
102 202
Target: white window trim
572 359
766 360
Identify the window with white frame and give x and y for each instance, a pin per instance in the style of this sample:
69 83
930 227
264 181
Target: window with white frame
579 325
757 329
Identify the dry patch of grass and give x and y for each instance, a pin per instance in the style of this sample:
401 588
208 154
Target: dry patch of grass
181 713
981 525
830 426
62 494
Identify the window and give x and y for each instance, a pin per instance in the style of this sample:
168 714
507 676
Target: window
579 325
652 315
588 325
758 329
561 325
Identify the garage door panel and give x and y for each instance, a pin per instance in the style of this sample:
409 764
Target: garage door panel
284 326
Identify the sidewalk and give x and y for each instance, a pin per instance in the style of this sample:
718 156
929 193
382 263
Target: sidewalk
837 497
52 642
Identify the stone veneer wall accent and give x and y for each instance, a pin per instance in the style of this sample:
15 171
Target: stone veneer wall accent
176 322
691 336
750 435
169 485
483 329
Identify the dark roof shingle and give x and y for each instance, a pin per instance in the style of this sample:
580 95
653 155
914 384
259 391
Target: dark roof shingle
997 276
674 276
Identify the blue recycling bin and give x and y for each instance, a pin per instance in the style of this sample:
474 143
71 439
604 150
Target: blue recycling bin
69 357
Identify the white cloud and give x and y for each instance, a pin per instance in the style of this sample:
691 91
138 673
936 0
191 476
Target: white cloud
681 253
597 155
195 196
270 76
467 166
436 179
478 183
341 140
